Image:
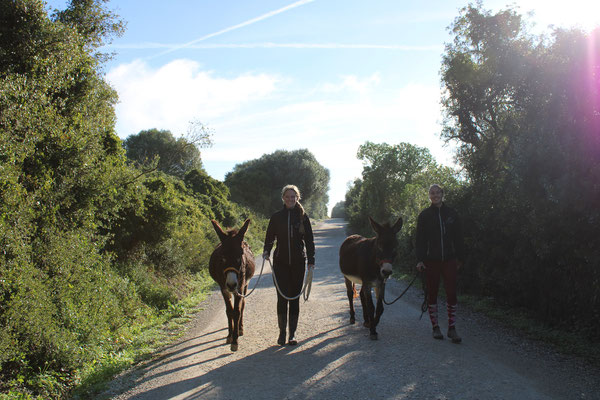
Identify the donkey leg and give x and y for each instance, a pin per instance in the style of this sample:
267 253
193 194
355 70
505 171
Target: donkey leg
370 314
229 312
350 290
365 300
379 293
236 323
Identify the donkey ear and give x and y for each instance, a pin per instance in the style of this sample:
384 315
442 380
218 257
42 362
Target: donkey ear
243 229
222 235
397 226
376 227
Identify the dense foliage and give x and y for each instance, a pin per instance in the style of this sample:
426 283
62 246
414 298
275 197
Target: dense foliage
338 210
91 247
257 183
525 113
394 183
158 149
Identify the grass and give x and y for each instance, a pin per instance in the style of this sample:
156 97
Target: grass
566 342
155 334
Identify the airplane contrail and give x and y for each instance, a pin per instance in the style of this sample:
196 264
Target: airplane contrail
234 27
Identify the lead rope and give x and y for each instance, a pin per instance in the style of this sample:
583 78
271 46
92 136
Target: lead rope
424 286
255 285
402 294
306 287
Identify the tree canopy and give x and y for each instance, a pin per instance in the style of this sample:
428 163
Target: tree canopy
158 149
257 183
525 114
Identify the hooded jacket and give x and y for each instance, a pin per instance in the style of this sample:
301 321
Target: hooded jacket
439 235
284 226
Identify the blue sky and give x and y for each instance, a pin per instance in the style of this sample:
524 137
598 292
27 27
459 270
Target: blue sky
264 75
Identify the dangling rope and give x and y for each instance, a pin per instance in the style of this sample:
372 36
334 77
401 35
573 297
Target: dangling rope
255 285
402 294
305 292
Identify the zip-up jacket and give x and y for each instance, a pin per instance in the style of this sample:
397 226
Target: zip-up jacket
439 235
284 226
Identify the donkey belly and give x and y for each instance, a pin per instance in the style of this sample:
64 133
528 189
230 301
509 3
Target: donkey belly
354 279
359 281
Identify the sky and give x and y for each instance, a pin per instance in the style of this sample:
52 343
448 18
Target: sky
267 75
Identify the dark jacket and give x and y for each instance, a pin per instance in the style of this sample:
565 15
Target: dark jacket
284 226
439 235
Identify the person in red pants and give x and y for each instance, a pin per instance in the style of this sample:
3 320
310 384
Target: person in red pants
440 252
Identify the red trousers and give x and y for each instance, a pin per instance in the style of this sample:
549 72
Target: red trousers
433 271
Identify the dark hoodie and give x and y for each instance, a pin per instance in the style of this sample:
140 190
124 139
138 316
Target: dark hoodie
284 226
439 235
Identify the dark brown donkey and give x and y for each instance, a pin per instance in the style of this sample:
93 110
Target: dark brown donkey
231 265
368 262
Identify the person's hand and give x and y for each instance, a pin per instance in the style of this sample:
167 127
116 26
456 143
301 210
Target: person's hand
266 255
420 266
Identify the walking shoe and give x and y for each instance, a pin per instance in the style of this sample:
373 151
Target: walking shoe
453 335
437 333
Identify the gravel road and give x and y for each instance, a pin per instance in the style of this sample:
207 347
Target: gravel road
335 360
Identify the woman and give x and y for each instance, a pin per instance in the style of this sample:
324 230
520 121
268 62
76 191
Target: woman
291 228
440 251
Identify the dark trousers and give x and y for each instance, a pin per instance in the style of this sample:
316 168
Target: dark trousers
433 271
290 279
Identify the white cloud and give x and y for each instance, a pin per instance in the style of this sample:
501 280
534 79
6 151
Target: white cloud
171 96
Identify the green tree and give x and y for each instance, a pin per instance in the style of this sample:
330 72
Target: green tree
158 149
61 164
395 181
338 211
257 183
525 114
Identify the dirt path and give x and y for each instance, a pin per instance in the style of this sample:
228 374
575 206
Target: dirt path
335 360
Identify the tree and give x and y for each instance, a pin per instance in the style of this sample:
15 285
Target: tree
338 211
395 181
257 183
61 164
157 149
525 113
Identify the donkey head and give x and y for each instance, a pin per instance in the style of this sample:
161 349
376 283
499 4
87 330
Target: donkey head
385 245
232 253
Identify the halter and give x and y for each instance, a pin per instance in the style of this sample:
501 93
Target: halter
231 269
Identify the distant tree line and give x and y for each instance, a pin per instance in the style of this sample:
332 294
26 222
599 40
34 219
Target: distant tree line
524 112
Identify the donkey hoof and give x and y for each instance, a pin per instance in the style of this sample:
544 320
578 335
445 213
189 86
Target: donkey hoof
373 336
352 320
234 346
241 332
229 340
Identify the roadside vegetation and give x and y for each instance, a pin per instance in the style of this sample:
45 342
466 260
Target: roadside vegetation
104 243
524 114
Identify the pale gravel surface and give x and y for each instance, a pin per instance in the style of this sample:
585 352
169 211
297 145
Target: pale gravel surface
335 360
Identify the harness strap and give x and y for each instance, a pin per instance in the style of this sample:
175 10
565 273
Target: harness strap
231 269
